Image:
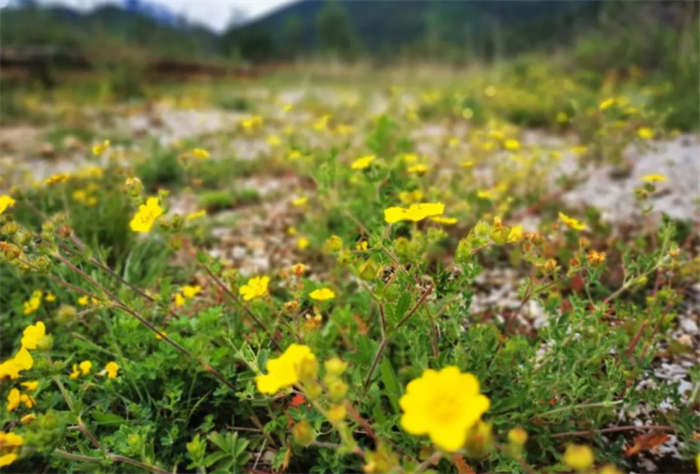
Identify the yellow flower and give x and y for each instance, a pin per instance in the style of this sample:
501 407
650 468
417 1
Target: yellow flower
7 459
10 440
453 142
30 386
418 169
445 220
196 215
363 162
322 123
322 295
200 153
409 197
112 368
28 401
253 123
33 335
299 201
445 405
97 150
409 157
256 287
57 178
610 469
285 370
571 222
302 243
5 202
299 269
146 216
85 367
607 103
12 367
83 301
50 297
512 145
76 372
645 133
27 418
191 291
179 300
654 178
578 457
515 234
415 213
13 399
33 303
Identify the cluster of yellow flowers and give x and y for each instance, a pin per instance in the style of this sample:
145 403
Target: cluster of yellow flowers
10 444
187 293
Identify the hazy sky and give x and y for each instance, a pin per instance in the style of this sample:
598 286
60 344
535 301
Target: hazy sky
213 13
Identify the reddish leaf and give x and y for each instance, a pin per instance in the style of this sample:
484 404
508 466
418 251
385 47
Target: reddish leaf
645 442
462 466
298 400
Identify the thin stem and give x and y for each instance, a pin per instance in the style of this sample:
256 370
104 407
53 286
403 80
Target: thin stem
113 457
121 305
433 459
415 308
355 415
615 429
583 405
233 297
375 362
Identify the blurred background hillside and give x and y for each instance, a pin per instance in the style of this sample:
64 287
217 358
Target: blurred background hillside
134 41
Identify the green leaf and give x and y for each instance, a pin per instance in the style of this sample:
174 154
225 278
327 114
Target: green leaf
391 384
108 419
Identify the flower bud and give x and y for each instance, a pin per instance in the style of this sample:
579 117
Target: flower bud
337 389
65 314
10 228
64 231
367 270
43 264
10 251
335 366
134 186
480 440
334 243
313 390
307 369
550 265
336 413
303 433
45 343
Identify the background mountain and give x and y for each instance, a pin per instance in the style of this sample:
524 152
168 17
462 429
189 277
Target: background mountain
149 28
485 27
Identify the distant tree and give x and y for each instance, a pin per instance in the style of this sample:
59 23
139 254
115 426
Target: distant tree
254 44
335 33
293 36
